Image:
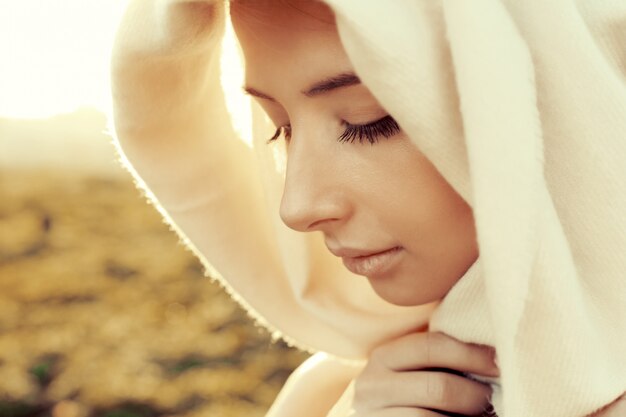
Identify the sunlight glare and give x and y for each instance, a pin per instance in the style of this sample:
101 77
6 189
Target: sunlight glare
55 55
232 79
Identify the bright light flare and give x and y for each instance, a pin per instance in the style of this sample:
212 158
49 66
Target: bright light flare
55 55
232 79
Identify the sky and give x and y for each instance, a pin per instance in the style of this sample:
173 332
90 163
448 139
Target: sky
54 74
54 59
54 55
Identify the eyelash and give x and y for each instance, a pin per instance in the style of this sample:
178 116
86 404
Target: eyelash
371 132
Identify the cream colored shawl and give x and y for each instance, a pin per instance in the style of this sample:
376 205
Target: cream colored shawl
521 105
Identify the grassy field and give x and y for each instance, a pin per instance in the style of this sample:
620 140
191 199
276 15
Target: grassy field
103 313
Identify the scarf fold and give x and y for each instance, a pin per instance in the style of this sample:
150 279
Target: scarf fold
522 108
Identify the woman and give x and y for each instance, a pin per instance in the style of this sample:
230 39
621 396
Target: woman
386 110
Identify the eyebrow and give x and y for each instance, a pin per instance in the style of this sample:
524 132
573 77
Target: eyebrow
326 85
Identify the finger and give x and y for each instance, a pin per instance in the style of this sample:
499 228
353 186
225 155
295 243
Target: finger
432 390
400 412
428 350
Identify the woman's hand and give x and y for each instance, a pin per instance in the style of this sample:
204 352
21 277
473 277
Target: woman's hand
403 378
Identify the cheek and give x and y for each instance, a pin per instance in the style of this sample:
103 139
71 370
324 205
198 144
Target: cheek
422 208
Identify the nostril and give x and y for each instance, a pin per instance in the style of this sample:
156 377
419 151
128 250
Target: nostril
317 225
314 224
310 215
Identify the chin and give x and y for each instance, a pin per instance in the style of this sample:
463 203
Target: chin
400 296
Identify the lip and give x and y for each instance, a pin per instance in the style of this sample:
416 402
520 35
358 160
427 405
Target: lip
369 263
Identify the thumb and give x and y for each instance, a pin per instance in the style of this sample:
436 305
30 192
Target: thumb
343 407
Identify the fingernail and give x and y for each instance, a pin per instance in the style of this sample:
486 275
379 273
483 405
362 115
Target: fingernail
497 365
494 357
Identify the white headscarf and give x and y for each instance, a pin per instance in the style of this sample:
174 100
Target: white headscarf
522 108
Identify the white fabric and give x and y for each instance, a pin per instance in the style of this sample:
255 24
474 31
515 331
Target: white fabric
521 105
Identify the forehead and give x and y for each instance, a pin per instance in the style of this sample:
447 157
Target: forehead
311 14
296 39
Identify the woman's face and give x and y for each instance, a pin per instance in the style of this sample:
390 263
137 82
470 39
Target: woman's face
351 173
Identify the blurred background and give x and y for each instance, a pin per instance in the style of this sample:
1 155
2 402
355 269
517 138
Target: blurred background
103 312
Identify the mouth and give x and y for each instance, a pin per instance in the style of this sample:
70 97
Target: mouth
373 264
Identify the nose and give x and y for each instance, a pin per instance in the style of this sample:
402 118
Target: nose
314 197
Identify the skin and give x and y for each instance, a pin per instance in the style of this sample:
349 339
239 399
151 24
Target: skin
397 381
343 189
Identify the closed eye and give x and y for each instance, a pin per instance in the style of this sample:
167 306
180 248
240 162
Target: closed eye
372 132
285 130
